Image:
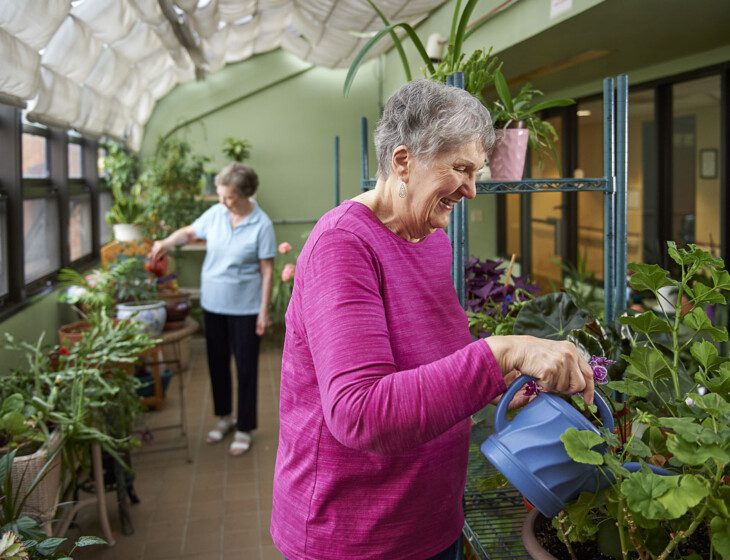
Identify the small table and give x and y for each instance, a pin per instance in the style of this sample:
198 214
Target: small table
173 341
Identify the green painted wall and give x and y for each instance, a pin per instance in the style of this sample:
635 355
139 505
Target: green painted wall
42 316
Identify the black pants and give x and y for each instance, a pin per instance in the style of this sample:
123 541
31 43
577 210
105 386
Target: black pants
226 335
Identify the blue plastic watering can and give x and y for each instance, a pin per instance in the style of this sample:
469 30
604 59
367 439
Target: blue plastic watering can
527 449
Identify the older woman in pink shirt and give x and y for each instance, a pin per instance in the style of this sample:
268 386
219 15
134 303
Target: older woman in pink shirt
380 374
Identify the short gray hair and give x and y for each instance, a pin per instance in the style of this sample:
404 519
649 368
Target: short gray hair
429 118
239 176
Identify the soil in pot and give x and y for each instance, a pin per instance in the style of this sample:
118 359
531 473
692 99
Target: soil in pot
545 535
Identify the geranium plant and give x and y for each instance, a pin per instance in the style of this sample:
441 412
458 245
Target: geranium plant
677 388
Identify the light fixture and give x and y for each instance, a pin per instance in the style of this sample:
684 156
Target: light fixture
583 112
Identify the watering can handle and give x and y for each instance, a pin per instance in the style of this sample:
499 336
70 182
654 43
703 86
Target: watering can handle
500 416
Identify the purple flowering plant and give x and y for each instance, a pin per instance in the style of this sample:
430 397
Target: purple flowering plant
492 299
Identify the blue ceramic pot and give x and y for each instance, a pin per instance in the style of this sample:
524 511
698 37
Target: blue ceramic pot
527 449
150 314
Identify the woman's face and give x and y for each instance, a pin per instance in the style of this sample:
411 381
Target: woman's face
228 196
433 187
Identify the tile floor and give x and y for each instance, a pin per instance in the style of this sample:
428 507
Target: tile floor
214 508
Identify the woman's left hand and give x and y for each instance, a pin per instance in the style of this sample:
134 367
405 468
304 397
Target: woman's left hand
263 322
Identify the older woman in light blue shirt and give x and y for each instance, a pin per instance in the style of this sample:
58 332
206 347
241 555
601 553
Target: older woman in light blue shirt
235 293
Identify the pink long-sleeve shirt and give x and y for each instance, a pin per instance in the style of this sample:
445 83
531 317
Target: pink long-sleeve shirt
379 378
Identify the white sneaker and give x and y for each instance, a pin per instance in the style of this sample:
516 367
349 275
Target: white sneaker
222 427
240 444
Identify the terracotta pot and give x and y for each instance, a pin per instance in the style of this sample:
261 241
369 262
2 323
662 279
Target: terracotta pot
70 334
507 161
533 548
177 305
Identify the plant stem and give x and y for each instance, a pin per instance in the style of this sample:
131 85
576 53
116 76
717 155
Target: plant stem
675 333
566 540
681 535
620 526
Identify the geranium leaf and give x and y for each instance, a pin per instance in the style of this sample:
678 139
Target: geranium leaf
579 444
689 430
648 277
695 452
645 363
721 535
638 448
685 493
615 466
629 387
647 323
551 316
643 490
721 279
705 353
718 506
705 295
698 321
719 383
712 403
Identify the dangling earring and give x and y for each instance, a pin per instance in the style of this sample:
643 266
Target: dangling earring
402 189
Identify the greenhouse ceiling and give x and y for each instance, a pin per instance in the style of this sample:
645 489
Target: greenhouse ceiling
99 66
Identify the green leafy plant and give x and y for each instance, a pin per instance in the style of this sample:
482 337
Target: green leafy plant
171 183
457 36
120 172
18 425
21 537
521 111
680 414
236 149
124 280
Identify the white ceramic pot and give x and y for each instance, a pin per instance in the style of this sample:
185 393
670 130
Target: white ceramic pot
151 314
507 161
127 232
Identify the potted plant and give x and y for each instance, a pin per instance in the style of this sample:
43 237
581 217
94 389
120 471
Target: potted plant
520 124
171 183
121 171
677 388
236 149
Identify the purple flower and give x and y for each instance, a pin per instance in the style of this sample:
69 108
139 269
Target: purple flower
600 366
531 388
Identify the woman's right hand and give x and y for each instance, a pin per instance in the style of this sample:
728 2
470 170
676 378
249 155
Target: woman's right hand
158 250
556 366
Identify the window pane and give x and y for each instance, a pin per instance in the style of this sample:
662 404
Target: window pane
35 164
546 220
695 163
105 204
3 248
79 226
641 201
40 235
74 161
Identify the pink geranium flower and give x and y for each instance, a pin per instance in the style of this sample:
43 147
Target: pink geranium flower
287 272
284 247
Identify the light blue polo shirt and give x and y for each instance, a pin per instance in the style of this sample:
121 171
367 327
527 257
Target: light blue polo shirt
230 281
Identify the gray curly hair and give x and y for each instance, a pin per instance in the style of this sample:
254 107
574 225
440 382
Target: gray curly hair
239 176
429 118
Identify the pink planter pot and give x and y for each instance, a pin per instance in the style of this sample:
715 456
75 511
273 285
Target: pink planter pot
507 162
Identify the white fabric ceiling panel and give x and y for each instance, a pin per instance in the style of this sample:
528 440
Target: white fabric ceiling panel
19 70
141 41
72 51
104 63
206 19
149 11
33 21
57 100
109 73
93 112
234 10
144 107
187 5
110 20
